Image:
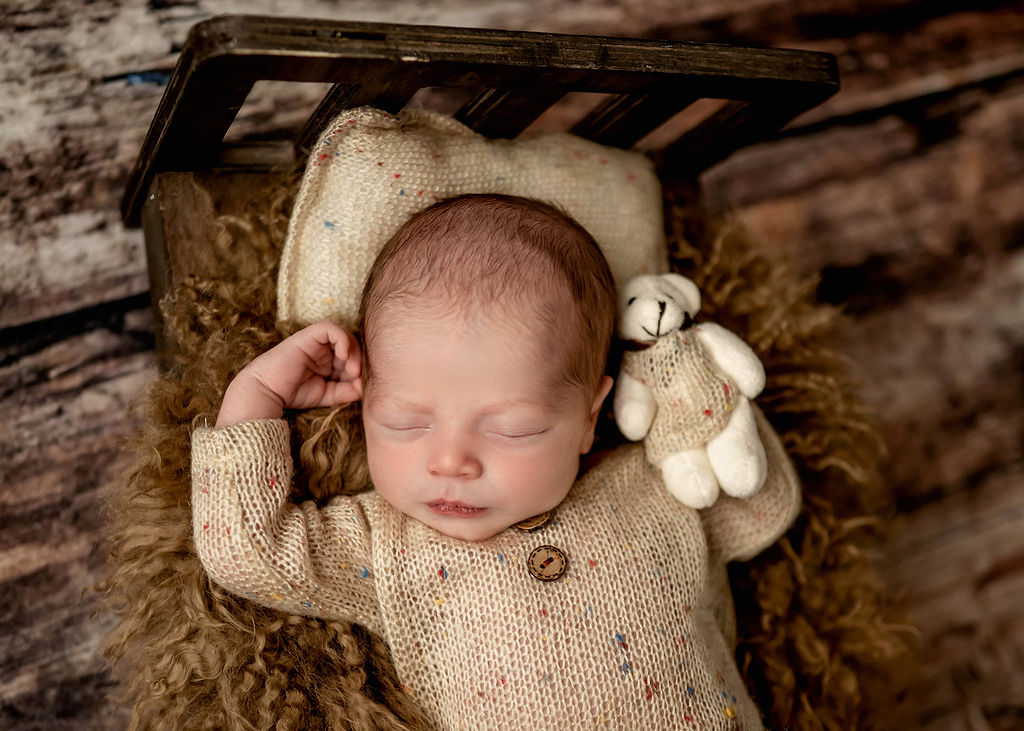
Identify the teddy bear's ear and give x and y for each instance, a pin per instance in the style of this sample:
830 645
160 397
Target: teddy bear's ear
686 287
630 289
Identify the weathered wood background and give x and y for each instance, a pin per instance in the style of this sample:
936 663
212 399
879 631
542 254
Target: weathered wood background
904 193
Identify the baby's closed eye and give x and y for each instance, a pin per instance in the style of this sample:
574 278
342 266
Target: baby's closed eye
520 433
406 426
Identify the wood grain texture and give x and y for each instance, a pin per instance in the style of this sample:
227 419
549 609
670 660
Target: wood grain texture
961 566
66 389
903 194
915 254
911 216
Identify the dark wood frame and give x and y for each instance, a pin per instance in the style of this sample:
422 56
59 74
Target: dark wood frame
512 78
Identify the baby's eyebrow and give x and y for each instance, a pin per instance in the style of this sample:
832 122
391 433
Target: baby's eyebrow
395 402
510 405
399 403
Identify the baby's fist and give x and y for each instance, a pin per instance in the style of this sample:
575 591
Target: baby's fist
319 365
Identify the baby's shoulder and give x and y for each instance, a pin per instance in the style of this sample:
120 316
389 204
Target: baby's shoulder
623 470
624 456
622 500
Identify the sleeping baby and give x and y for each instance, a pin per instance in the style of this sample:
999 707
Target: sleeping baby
514 589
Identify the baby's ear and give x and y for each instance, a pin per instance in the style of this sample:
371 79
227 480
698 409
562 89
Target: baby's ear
687 289
595 409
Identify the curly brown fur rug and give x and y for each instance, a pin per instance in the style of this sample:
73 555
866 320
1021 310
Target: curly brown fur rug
815 638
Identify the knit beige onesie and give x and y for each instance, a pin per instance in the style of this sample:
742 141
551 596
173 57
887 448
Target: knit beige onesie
694 401
632 636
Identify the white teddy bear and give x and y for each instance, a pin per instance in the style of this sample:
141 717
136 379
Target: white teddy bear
685 389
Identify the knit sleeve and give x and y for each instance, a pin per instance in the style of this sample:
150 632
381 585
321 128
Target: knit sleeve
738 530
253 542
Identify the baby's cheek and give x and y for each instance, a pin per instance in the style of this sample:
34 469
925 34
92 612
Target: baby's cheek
552 471
386 463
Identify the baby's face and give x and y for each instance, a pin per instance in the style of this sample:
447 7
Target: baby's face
464 430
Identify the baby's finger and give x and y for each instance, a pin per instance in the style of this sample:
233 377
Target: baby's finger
348 356
342 392
330 348
317 341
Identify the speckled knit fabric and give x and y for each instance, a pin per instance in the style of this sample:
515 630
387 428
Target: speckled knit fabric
695 402
632 636
371 170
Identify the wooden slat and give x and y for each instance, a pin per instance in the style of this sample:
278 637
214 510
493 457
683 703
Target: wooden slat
387 89
735 125
193 144
339 97
623 119
507 112
920 243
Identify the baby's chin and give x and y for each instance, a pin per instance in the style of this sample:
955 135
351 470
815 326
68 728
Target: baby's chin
471 531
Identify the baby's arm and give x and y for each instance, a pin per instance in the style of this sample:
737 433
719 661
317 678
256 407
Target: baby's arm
738 530
253 542
317 366
250 539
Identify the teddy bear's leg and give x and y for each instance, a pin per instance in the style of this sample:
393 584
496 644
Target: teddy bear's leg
737 455
690 479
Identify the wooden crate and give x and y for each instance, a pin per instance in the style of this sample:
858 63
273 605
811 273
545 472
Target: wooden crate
507 79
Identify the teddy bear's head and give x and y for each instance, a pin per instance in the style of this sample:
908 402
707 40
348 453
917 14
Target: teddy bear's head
653 305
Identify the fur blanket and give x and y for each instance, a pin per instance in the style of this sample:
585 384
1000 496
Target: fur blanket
814 633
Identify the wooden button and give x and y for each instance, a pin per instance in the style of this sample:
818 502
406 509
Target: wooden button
547 563
532 524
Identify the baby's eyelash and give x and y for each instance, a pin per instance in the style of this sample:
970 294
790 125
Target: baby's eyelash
520 435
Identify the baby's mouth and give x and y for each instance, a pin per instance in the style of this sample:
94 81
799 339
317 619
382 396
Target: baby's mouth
455 509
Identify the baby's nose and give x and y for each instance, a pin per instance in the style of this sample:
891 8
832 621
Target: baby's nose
451 459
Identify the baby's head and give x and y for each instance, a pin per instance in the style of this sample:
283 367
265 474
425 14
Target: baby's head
486 325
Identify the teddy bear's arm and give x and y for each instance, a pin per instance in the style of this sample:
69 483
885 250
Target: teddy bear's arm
634 407
734 357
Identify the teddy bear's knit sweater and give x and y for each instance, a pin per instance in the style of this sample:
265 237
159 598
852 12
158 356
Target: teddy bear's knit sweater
626 637
694 400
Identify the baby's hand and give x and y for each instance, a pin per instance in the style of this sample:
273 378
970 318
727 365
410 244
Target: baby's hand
317 366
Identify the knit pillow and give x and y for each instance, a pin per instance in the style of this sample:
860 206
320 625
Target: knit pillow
371 170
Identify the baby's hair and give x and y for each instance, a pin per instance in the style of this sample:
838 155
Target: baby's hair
483 249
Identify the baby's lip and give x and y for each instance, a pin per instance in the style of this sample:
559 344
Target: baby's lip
455 509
